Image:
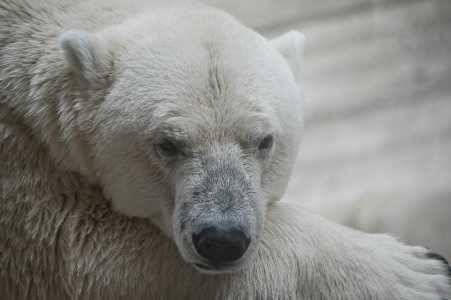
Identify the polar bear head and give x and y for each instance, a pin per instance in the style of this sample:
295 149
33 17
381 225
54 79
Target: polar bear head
192 120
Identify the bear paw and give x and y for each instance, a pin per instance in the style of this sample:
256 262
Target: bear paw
415 272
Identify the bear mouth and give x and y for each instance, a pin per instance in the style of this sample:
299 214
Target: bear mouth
213 269
204 267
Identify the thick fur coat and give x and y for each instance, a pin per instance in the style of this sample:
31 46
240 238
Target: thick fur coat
73 222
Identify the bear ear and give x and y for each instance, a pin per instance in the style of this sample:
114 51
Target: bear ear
79 51
291 45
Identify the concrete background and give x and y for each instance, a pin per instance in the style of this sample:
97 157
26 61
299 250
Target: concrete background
376 150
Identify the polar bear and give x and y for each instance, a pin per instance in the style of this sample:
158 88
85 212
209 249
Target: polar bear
144 148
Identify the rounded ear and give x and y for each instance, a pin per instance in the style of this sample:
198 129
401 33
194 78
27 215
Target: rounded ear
291 45
78 51
88 57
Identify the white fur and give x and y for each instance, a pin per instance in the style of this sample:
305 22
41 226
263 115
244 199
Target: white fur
82 118
291 45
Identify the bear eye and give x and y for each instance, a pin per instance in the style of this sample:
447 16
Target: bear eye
168 148
266 143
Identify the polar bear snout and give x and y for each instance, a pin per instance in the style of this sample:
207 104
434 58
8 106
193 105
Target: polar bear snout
219 212
221 245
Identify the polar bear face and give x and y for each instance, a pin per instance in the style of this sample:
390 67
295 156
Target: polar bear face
195 126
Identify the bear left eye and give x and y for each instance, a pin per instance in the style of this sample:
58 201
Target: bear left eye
266 143
168 148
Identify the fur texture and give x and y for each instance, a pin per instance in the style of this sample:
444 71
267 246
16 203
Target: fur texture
209 86
60 239
92 208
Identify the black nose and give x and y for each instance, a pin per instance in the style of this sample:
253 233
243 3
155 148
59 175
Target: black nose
221 245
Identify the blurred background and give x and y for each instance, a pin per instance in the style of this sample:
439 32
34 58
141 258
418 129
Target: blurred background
376 149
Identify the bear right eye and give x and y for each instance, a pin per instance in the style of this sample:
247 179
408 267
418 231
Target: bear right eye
168 148
265 143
